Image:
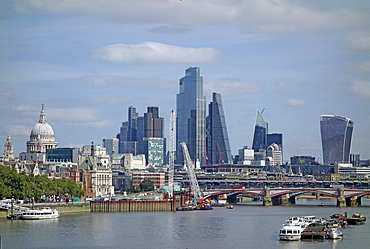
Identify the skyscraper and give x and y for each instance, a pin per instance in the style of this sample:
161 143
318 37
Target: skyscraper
128 133
260 133
153 142
191 116
218 145
336 136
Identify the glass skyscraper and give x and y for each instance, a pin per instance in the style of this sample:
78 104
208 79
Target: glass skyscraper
218 144
260 133
336 136
191 116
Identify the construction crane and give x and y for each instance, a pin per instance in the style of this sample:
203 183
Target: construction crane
189 167
171 154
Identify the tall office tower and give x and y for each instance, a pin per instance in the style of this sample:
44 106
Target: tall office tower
218 145
152 143
153 124
111 145
128 133
336 135
132 123
191 116
260 133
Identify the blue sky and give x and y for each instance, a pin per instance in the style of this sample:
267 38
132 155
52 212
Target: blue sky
88 60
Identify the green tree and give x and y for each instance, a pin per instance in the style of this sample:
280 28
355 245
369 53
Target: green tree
147 185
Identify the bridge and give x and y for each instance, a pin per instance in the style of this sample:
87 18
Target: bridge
277 196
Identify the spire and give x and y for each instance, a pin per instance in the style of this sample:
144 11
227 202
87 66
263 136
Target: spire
42 115
8 148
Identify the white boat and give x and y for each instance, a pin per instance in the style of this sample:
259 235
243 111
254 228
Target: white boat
296 221
290 232
335 231
40 214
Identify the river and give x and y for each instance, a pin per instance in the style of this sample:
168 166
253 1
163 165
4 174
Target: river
245 226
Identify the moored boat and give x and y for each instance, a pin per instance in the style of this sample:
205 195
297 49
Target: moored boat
40 214
314 231
335 231
290 232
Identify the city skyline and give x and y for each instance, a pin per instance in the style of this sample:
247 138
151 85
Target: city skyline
88 62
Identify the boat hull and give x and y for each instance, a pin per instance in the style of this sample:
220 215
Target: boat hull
290 237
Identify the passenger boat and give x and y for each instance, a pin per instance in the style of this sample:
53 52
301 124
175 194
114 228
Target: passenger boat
40 214
290 232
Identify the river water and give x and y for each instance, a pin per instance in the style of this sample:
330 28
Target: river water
245 226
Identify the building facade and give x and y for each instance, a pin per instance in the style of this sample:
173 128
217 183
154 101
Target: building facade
191 116
111 145
336 136
218 144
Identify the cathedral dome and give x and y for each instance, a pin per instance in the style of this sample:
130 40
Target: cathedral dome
42 129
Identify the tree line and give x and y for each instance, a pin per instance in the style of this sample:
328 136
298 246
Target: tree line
23 186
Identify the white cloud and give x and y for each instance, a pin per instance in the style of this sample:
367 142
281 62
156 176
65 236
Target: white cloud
231 87
359 40
365 66
153 52
361 88
77 114
18 130
264 15
296 102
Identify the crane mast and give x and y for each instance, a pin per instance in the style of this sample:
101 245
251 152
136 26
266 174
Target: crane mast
171 154
189 166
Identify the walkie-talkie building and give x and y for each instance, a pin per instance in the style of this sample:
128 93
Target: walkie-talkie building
336 136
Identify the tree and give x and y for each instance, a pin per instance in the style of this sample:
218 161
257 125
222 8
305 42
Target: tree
147 185
21 186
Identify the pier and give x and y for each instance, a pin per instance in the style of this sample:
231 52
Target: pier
133 206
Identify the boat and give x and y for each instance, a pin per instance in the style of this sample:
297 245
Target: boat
290 232
230 207
40 214
356 219
14 216
335 231
315 230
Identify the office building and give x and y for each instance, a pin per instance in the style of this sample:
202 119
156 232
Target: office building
111 145
191 117
260 133
336 136
218 145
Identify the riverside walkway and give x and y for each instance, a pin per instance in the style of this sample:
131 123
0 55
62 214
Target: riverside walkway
277 196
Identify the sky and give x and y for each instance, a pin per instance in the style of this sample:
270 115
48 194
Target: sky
87 61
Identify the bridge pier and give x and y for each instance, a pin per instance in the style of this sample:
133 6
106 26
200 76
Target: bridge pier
267 201
341 201
292 199
232 199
